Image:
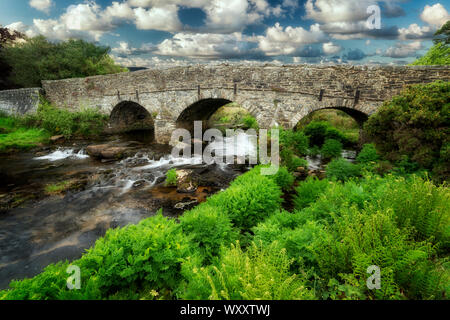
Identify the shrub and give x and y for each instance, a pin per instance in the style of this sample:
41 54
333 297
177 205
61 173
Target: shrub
341 169
319 131
296 141
250 199
368 154
316 131
309 191
208 229
292 162
171 178
418 203
261 273
331 149
414 124
283 178
148 253
361 238
250 122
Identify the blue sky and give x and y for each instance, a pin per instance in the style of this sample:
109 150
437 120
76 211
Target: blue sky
159 33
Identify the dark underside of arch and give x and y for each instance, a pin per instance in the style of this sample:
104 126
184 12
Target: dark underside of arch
200 111
130 116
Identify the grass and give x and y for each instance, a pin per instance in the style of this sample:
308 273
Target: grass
57 188
28 131
23 138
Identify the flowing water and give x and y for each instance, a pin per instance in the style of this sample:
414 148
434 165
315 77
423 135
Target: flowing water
37 229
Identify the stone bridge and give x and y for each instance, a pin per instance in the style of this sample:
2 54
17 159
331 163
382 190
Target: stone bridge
169 98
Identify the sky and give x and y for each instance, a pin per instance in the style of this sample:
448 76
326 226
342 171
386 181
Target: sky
165 33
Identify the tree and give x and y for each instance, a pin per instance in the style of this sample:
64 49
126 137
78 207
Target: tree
443 34
439 54
415 127
39 59
7 37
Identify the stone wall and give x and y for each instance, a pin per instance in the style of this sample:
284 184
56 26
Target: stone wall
273 94
20 101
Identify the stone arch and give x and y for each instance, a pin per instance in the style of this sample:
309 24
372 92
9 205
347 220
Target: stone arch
128 116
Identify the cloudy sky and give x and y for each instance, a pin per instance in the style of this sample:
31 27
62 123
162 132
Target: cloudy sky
178 32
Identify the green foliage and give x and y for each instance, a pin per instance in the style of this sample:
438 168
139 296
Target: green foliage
38 59
291 161
309 191
296 141
284 179
87 122
368 154
439 54
150 252
355 225
23 139
58 187
420 204
331 149
250 122
443 34
415 124
209 229
339 229
341 169
260 273
319 131
250 199
171 178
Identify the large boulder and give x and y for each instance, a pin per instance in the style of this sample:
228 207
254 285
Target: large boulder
108 152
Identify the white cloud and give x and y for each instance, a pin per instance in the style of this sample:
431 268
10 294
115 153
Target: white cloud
41 5
404 50
205 46
331 48
435 15
287 41
158 18
226 16
326 11
414 31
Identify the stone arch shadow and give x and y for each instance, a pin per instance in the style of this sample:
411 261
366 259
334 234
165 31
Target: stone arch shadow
130 116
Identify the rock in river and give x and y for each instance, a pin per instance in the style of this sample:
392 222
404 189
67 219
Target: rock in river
105 151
